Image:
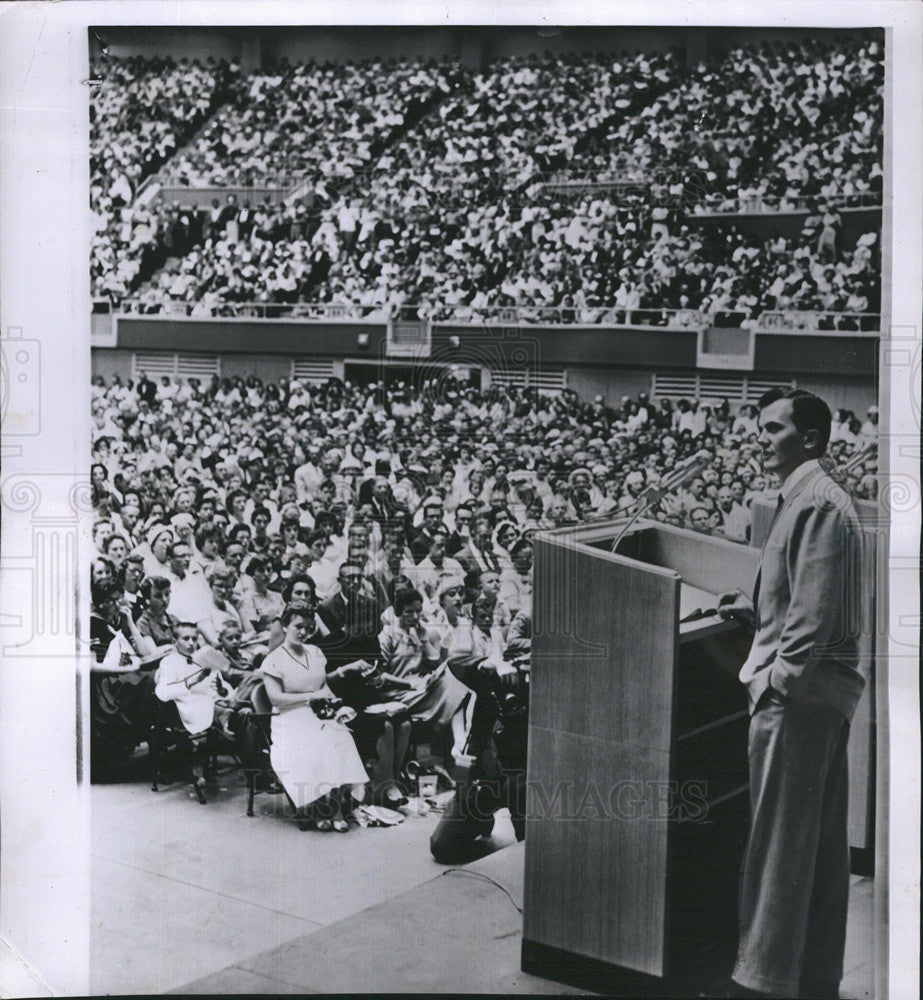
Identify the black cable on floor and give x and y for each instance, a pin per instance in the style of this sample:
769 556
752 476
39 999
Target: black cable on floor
487 878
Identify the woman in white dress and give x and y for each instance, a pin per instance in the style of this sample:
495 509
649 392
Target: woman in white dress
314 758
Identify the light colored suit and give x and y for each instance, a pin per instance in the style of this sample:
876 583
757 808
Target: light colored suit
803 680
806 598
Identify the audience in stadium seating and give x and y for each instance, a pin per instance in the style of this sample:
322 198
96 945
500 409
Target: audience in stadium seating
316 121
766 126
588 264
411 182
219 505
141 111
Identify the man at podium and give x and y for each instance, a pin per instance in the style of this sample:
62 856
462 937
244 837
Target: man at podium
803 682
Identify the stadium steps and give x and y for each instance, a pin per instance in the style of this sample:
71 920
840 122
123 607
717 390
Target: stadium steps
415 115
150 186
228 95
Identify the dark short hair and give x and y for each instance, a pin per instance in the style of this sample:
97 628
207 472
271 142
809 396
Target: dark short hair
293 582
237 530
103 593
153 583
519 545
294 611
108 542
258 563
404 598
209 531
809 412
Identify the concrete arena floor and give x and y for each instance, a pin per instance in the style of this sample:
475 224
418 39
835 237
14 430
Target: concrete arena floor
202 899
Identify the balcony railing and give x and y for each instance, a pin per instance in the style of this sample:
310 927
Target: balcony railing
758 205
589 314
254 310
812 319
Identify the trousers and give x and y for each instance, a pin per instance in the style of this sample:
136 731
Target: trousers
794 886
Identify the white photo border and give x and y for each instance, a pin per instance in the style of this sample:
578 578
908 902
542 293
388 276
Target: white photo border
45 303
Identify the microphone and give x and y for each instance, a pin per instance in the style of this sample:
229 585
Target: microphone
684 473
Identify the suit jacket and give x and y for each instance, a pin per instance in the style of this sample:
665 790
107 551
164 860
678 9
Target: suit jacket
473 559
807 600
361 617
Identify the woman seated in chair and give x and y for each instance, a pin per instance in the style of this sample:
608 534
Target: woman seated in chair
122 702
313 754
413 657
155 621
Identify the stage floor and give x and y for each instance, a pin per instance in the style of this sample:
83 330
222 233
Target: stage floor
201 899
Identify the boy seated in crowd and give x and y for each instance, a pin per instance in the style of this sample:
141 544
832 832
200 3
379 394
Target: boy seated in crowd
198 691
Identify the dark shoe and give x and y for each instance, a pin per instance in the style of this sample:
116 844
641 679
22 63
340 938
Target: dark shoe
389 796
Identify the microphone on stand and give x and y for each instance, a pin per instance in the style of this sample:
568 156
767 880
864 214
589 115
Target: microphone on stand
684 473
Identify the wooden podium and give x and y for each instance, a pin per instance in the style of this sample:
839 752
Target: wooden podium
637 804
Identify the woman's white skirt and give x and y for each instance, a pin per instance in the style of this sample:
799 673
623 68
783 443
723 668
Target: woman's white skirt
312 756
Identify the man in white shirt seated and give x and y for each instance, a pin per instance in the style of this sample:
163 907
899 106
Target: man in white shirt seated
195 690
735 519
429 573
189 593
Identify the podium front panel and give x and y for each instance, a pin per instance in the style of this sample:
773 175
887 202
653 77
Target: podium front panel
637 772
604 648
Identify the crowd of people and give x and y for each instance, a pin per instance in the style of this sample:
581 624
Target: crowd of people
584 262
309 120
141 112
766 125
365 553
424 183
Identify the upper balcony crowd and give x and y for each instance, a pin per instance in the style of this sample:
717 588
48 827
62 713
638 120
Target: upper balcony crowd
388 183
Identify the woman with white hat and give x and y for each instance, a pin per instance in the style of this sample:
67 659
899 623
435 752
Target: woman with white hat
156 549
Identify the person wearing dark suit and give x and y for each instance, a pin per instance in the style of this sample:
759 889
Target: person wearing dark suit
432 522
460 537
479 554
803 683
349 610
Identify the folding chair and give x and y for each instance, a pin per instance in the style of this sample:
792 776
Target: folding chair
256 764
169 739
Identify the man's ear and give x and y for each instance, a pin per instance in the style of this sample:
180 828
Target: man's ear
811 439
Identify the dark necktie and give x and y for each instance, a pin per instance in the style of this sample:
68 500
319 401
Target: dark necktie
775 517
